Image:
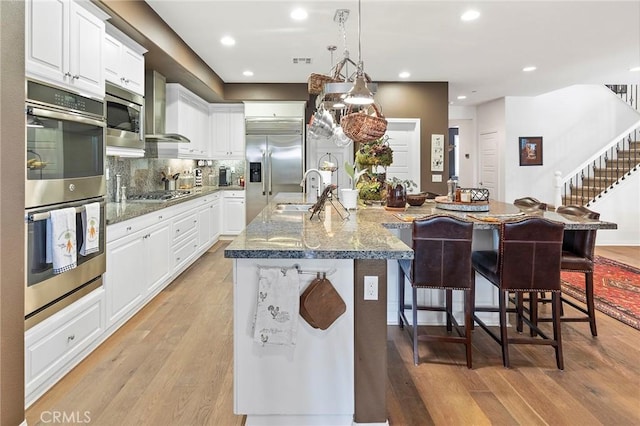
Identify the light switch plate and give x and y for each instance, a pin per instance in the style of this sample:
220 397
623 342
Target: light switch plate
370 287
436 178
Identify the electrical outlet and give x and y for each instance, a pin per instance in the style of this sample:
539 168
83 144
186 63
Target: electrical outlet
370 287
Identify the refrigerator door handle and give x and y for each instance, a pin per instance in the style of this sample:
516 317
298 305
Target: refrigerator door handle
270 175
262 164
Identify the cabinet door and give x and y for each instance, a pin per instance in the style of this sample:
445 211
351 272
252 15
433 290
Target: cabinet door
112 65
219 130
86 51
126 276
204 226
47 36
132 70
234 216
216 220
158 252
236 134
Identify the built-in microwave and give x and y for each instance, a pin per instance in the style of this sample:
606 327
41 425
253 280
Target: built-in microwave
125 118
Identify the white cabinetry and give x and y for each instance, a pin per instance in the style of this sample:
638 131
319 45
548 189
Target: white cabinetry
188 115
54 346
124 61
233 212
227 131
137 264
64 44
209 221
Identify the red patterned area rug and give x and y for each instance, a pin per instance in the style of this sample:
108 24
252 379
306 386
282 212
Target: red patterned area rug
616 289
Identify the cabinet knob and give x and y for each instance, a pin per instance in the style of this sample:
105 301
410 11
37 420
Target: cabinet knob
160 217
67 74
76 77
128 228
71 337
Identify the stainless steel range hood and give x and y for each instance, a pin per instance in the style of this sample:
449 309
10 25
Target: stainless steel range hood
155 110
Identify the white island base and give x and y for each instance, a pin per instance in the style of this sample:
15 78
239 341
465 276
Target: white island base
315 382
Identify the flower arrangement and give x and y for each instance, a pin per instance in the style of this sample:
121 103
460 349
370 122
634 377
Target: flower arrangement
370 188
375 153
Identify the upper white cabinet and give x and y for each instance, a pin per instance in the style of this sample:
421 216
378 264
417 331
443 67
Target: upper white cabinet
227 131
64 44
188 115
124 60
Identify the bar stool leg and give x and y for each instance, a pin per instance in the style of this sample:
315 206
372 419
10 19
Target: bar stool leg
504 340
591 311
449 309
533 312
414 309
519 298
400 296
468 308
555 298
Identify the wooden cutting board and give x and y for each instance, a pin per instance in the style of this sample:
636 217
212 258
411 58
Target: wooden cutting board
320 304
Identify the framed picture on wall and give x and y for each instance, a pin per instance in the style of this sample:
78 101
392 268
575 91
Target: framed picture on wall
530 150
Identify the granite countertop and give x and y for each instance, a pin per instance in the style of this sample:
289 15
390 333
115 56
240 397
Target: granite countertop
119 212
273 234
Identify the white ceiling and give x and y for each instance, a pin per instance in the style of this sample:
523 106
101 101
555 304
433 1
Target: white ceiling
570 42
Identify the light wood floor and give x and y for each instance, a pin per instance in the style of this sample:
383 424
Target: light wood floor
172 364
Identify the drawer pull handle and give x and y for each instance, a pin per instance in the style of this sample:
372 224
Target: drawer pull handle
70 338
128 228
160 217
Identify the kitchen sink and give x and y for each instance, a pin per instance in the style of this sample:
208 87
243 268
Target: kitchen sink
281 208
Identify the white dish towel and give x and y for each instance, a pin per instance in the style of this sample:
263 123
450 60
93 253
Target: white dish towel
61 240
90 228
278 306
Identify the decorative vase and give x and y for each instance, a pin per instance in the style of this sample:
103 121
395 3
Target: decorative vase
396 196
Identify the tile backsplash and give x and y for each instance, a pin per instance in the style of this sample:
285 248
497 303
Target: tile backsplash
141 175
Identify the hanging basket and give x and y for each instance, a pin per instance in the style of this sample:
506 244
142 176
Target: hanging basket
316 82
362 127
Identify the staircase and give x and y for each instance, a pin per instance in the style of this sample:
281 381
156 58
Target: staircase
612 167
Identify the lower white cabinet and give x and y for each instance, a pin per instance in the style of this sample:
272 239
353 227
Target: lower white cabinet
144 254
136 264
54 346
233 212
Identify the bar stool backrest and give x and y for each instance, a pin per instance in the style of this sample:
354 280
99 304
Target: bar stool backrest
442 252
530 203
581 243
530 255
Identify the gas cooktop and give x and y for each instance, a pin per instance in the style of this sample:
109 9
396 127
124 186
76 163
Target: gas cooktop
158 196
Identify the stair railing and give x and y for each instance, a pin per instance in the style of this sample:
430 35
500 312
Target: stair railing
607 167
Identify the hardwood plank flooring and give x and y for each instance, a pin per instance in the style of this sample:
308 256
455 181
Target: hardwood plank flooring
172 364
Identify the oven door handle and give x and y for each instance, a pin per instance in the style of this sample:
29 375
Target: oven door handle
36 217
57 115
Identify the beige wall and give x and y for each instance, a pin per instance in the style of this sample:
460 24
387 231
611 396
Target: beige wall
12 160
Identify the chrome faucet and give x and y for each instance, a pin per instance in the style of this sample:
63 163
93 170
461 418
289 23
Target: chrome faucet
304 179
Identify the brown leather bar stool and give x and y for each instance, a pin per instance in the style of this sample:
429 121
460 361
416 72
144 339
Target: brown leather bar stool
527 261
578 247
442 260
530 203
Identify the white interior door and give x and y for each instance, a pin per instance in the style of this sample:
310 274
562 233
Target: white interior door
404 140
489 164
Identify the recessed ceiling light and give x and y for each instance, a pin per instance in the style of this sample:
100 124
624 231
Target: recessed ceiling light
634 69
461 97
529 69
227 41
299 14
470 15
247 73
404 74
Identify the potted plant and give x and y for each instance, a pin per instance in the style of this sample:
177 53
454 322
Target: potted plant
350 196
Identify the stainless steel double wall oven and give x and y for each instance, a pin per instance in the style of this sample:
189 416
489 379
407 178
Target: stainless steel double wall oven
65 163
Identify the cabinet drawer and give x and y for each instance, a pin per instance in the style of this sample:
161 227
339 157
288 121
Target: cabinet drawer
185 251
183 225
63 336
129 227
233 194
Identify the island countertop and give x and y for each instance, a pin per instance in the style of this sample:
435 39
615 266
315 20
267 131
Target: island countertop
364 235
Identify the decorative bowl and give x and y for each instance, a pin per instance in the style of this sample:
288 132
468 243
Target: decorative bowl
416 200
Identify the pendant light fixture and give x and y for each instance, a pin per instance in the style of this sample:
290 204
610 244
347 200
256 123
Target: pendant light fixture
359 93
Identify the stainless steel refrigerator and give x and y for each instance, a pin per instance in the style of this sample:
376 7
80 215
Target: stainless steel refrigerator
275 160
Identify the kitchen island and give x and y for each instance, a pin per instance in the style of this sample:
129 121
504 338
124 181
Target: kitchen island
335 376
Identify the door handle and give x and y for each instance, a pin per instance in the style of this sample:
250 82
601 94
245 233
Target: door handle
270 174
262 165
